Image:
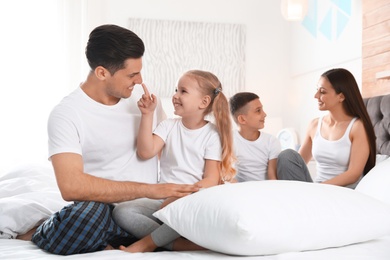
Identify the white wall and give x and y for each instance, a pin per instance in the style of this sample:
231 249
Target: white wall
33 77
43 59
266 50
311 56
283 61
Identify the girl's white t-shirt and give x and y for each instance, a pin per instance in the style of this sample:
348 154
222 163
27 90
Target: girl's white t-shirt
185 150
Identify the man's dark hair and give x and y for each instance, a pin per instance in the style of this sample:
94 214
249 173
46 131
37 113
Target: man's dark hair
111 45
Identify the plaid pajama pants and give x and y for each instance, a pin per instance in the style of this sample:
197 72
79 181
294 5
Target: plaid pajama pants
81 227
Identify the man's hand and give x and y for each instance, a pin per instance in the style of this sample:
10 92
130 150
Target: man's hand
166 190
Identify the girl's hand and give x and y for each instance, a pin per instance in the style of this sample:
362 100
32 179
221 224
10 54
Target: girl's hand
147 103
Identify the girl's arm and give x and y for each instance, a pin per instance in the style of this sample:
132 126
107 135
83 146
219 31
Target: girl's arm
148 144
271 173
360 151
211 175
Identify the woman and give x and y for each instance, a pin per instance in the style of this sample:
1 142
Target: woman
342 142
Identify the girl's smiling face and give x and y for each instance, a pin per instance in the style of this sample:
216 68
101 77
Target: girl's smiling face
188 99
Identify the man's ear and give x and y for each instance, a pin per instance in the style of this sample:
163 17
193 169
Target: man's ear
205 102
101 73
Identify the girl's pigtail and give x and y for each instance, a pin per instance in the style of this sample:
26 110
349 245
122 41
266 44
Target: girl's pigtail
224 125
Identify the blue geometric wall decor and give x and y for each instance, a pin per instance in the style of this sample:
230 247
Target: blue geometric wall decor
344 5
341 23
326 24
333 23
310 20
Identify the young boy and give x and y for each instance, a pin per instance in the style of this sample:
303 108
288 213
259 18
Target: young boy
256 151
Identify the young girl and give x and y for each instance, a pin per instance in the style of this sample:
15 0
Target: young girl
342 142
193 150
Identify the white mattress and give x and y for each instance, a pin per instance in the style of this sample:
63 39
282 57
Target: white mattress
378 249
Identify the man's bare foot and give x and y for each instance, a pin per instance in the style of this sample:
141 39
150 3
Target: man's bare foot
27 236
109 247
146 244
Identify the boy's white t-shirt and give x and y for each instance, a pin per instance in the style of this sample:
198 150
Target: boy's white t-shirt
105 136
185 150
253 156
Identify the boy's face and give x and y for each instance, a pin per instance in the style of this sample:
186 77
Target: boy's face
255 116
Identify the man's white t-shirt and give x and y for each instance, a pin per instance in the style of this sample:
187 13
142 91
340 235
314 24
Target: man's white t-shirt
253 156
105 136
185 150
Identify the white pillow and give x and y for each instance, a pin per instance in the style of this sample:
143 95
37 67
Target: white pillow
28 195
376 183
273 217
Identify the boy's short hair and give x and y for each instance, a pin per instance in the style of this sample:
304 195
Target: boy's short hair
239 101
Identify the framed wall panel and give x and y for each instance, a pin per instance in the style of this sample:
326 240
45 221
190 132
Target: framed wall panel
174 47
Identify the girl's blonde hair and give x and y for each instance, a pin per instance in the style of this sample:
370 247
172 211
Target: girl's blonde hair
210 85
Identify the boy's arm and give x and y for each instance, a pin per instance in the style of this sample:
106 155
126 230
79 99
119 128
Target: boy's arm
271 172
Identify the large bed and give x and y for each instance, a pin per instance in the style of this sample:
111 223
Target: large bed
301 221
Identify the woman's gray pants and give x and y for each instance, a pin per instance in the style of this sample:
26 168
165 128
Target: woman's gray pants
291 166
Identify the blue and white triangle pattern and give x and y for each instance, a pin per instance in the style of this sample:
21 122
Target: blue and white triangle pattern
333 23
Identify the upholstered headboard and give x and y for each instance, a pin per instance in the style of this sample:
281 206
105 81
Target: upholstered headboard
379 111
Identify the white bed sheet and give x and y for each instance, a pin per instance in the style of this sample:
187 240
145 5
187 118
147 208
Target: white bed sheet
378 249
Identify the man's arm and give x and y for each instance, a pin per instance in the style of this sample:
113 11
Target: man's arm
76 185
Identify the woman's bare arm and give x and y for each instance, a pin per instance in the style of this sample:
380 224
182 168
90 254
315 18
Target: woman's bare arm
307 144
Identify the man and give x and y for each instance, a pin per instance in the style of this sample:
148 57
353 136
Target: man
92 135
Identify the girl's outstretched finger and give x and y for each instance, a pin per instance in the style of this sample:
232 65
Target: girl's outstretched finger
146 91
